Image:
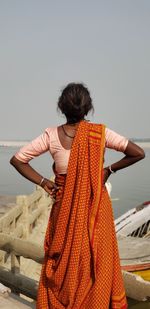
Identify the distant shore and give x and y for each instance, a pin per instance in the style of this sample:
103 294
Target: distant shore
13 143
143 144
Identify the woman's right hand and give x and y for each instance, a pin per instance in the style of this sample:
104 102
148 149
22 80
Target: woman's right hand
106 174
50 187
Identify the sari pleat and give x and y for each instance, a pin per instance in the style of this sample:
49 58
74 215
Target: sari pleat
81 268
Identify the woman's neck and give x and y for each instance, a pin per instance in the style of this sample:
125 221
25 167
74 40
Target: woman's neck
74 123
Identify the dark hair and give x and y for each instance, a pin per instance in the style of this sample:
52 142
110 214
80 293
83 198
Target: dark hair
75 102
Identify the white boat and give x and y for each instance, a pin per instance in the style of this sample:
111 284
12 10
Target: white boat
135 255
133 233
135 222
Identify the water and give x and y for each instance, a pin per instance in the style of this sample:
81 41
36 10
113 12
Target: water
11 182
130 186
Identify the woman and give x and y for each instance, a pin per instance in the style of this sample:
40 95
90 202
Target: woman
81 268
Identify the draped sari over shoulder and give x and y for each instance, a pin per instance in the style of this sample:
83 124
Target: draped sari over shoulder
81 268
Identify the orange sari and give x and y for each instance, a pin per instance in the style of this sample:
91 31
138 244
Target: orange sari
81 268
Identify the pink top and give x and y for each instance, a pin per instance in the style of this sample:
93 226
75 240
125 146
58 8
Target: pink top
49 141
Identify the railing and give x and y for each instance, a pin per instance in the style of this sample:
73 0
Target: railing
12 278
16 226
20 220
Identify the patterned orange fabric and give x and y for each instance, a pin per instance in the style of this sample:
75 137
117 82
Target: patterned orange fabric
81 269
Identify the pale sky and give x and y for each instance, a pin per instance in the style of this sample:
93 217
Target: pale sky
46 44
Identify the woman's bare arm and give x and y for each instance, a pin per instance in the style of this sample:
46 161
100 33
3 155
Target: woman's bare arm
26 170
133 153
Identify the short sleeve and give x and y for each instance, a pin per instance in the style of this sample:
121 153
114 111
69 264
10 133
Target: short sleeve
35 148
115 141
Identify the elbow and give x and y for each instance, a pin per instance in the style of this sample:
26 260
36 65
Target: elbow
135 151
12 161
16 163
141 154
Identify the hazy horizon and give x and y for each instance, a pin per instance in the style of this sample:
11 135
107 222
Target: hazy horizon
46 44
19 142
